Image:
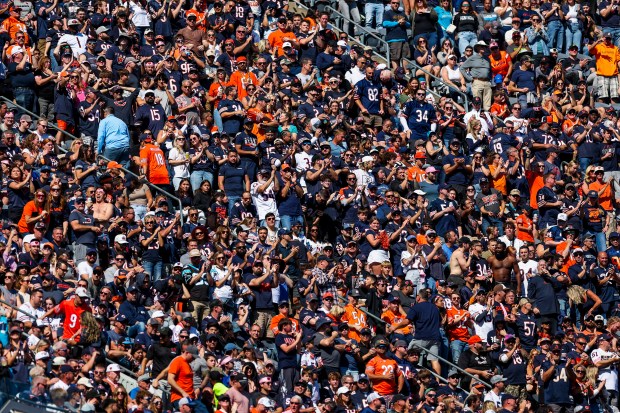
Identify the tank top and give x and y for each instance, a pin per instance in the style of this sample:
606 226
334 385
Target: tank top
138 196
454 74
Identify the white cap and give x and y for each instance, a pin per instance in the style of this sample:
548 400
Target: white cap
59 361
82 292
267 402
85 382
286 44
121 239
158 313
342 43
419 192
367 158
562 217
113 367
343 390
372 397
16 49
42 355
381 66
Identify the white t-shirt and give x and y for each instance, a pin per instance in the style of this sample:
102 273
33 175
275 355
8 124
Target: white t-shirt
85 268
495 398
526 271
609 373
303 161
225 291
28 308
485 326
182 170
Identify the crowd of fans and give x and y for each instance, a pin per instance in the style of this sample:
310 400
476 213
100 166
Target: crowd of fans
247 210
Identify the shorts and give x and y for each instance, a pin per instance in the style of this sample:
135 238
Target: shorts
607 86
373 121
64 126
431 345
399 50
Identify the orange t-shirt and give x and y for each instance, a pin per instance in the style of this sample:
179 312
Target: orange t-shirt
258 130
524 221
605 199
417 173
536 182
383 366
273 326
460 331
153 160
499 183
392 318
30 210
14 26
183 375
242 81
498 108
501 65
73 316
213 91
566 125
275 40
354 317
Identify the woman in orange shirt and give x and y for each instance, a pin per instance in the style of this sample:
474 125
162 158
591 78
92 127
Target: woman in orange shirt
604 189
35 211
496 172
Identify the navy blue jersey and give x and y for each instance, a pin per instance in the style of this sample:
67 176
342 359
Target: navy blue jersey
151 117
500 142
548 215
88 124
446 222
420 116
310 110
526 329
369 94
610 150
515 369
231 124
557 388
607 292
174 81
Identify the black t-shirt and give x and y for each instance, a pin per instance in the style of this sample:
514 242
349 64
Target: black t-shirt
161 355
21 78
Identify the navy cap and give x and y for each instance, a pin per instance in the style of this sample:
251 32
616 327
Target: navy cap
66 369
444 186
91 251
284 231
312 297
508 396
614 235
122 318
592 194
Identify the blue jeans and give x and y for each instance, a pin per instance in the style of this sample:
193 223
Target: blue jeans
217 119
601 241
456 348
197 177
555 31
24 97
573 35
491 221
136 329
615 35
154 269
431 38
374 14
120 155
140 211
231 202
287 220
584 163
466 39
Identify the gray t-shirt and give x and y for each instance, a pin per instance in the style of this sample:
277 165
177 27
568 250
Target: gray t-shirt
330 356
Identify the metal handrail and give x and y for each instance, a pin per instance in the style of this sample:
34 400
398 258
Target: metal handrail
427 351
366 32
125 170
452 88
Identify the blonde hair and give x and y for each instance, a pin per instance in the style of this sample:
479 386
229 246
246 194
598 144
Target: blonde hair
576 294
489 406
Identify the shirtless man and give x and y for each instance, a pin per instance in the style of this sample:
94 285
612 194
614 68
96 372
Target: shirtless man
503 262
102 210
461 258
